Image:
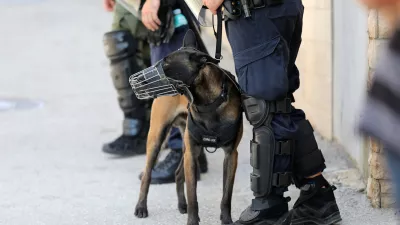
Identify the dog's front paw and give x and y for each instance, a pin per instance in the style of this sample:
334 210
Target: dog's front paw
193 223
224 223
182 207
193 220
226 220
141 211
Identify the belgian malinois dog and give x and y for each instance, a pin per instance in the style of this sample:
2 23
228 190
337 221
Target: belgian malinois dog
210 112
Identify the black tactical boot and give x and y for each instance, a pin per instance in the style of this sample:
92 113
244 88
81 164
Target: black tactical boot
129 143
164 171
125 146
264 211
315 206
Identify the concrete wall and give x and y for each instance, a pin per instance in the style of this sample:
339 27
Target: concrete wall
341 41
350 70
379 188
333 64
315 64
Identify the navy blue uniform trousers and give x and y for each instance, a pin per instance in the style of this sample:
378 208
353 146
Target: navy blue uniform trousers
159 52
265 49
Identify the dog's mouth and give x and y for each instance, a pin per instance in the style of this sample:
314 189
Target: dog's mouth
152 82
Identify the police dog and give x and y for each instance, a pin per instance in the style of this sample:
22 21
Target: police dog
211 107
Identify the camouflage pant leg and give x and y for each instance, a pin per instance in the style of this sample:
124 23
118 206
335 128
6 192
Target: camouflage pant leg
124 20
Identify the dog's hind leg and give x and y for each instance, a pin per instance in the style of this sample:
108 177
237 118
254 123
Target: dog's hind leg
162 116
230 165
190 157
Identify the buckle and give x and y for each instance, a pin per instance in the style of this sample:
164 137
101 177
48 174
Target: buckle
282 179
283 147
281 106
284 106
254 153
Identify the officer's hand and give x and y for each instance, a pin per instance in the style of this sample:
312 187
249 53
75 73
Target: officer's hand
213 5
109 5
149 14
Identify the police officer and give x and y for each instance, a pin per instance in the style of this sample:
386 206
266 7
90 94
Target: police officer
283 147
127 48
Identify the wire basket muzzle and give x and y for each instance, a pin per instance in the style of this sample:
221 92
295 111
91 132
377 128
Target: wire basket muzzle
152 83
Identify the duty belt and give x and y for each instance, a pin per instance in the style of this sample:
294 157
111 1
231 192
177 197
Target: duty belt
256 4
235 8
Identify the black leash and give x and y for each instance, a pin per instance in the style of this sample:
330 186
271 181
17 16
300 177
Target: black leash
218 34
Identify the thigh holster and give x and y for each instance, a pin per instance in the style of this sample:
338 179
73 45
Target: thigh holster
264 147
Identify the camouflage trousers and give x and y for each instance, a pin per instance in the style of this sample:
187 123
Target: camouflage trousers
124 20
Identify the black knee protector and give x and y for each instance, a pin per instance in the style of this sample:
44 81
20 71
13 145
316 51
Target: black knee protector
308 158
264 147
121 47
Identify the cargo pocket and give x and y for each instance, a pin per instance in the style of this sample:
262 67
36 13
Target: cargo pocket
262 70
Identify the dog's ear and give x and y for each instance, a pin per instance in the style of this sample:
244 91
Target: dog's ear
190 39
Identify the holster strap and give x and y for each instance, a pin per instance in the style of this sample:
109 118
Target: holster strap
282 106
281 179
284 147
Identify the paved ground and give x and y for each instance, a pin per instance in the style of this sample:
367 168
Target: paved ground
52 171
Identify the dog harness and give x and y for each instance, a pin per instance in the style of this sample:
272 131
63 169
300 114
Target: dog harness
222 135
213 138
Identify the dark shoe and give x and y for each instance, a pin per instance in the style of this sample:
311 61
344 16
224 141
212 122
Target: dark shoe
315 206
126 146
273 208
203 162
164 171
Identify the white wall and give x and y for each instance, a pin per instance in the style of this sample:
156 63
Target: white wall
350 68
315 64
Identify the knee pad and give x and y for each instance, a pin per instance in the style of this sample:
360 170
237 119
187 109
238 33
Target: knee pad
308 158
258 110
120 47
264 147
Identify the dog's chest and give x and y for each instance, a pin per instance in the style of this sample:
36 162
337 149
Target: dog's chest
212 133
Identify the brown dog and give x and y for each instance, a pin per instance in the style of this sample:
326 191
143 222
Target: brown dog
213 118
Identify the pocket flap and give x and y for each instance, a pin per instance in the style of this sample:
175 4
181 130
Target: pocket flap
255 53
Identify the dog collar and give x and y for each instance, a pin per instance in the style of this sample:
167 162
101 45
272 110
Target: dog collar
223 97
